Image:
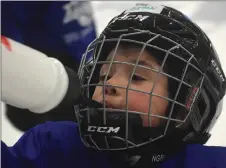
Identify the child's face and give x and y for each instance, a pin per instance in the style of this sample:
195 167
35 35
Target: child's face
142 80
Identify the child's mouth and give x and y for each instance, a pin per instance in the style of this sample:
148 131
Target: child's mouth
107 105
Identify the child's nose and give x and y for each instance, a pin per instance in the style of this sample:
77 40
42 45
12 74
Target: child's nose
110 90
114 85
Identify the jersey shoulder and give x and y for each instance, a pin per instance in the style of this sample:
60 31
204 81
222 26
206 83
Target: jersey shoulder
205 156
56 144
60 134
65 138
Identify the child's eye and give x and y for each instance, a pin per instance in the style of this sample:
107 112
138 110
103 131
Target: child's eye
137 78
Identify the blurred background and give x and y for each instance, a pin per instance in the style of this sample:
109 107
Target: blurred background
94 16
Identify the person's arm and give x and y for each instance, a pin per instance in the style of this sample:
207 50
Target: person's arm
16 17
74 24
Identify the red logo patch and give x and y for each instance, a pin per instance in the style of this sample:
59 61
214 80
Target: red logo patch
192 98
5 41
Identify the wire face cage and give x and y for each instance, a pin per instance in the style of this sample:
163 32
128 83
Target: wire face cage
107 128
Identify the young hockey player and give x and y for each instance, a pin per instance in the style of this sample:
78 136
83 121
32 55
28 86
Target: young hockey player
152 93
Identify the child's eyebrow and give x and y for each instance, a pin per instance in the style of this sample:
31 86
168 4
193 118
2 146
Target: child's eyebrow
145 63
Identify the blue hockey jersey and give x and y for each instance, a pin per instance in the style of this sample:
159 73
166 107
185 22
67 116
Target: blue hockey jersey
58 145
61 27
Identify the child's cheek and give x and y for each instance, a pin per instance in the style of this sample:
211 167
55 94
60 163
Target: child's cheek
140 102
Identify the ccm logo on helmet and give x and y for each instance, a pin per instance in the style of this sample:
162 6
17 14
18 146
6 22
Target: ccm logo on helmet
218 70
129 16
103 129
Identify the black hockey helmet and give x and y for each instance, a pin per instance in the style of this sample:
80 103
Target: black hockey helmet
189 60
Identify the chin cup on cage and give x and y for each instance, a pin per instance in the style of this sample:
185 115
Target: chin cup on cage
119 130
113 134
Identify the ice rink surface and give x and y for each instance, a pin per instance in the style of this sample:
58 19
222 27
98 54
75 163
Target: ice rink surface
210 16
